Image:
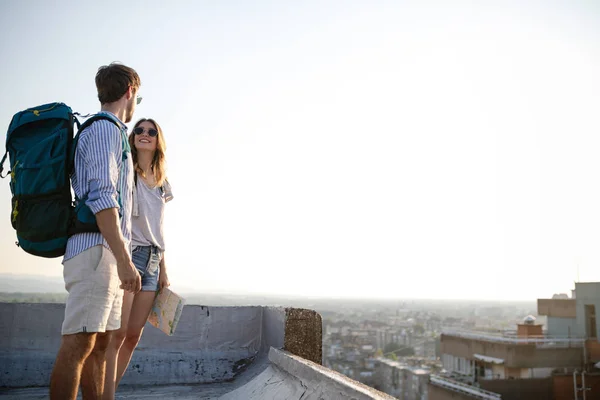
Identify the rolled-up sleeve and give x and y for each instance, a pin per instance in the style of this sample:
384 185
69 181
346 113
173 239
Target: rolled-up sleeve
102 153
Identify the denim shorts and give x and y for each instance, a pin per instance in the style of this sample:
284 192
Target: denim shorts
147 259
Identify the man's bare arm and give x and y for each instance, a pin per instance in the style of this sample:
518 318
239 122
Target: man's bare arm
109 225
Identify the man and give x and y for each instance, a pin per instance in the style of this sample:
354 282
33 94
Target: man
98 266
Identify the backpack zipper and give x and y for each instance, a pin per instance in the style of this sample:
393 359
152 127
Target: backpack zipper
37 112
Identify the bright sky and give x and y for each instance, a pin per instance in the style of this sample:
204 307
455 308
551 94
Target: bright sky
344 148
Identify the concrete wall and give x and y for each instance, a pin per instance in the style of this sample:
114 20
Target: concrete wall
560 312
29 338
560 308
520 389
303 334
439 393
211 344
593 351
587 293
563 386
563 327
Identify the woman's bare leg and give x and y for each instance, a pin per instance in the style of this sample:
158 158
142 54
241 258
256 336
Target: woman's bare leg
142 305
115 345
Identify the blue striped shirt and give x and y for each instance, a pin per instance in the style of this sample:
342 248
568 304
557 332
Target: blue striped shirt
97 174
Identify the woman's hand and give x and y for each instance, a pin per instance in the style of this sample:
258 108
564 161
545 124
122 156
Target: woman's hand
163 280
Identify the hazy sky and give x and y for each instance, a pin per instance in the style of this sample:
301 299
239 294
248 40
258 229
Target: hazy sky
344 148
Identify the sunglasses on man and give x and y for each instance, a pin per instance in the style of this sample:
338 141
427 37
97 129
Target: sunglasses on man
151 132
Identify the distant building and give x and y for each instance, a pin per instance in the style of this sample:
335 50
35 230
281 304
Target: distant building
531 362
475 356
401 380
389 335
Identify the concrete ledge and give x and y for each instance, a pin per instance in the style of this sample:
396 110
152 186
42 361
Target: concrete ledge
25 368
210 345
322 383
225 353
303 334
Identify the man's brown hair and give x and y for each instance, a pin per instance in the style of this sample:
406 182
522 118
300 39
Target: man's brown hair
112 81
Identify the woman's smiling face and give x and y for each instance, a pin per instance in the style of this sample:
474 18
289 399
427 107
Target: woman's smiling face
146 136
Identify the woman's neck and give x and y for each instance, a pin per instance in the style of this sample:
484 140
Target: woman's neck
145 161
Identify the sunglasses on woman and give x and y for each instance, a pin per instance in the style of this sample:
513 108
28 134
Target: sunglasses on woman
151 132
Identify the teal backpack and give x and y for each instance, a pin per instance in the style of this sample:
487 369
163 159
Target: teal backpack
41 149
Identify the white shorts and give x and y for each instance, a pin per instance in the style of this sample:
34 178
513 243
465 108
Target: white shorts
95 299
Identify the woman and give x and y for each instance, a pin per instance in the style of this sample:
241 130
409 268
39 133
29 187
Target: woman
151 192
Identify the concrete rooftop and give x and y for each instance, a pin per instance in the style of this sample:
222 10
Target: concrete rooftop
226 353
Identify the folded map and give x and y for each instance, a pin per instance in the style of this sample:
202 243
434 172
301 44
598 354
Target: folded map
166 311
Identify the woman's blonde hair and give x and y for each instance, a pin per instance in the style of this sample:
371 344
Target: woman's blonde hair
159 162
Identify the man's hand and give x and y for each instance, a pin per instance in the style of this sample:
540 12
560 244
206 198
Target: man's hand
129 276
163 280
109 224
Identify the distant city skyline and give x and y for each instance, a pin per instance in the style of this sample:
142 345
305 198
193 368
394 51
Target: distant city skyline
413 149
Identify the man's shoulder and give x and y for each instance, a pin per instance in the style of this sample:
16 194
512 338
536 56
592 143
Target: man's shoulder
101 128
102 125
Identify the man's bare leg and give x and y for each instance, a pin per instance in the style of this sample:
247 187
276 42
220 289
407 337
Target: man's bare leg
116 341
66 374
94 369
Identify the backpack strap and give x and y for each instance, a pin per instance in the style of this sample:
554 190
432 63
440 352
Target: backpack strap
6 151
124 142
2 166
90 121
84 220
